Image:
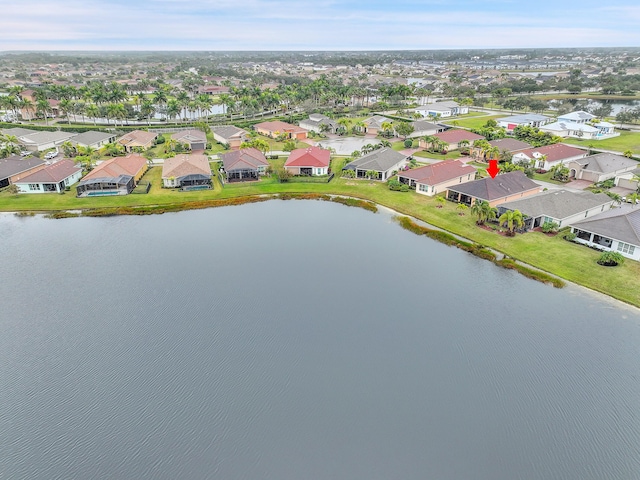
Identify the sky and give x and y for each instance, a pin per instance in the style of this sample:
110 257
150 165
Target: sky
316 25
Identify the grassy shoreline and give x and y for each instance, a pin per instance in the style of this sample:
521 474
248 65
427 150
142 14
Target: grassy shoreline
571 262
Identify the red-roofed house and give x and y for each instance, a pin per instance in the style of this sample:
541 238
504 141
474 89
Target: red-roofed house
435 178
308 161
453 138
118 176
549 155
52 178
277 128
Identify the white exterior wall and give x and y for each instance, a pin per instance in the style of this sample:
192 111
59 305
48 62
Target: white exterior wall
70 180
614 247
432 190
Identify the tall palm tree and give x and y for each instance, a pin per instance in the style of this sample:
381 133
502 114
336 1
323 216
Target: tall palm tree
92 111
42 108
512 219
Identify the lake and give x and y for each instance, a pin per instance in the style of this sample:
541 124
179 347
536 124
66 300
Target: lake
300 340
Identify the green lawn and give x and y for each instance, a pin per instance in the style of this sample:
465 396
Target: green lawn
626 141
570 261
437 156
476 122
546 177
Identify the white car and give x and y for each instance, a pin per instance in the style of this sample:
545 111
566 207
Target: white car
51 155
24 153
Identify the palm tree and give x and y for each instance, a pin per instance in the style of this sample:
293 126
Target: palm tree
461 208
92 111
173 108
429 140
440 200
42 108
634 198
512 219
483 211
387 128
147 110
372 174
628 153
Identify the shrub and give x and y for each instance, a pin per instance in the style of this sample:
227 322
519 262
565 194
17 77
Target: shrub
569 235
160 140
611 259
408 143
550 227
397 186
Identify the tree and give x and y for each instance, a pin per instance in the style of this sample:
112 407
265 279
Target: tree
440 200
404 129
387 129
13 189
69 149
483 211
512 219
560 172
634 199
461 208
628 153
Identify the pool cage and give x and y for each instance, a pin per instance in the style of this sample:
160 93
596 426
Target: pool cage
122 185
194 182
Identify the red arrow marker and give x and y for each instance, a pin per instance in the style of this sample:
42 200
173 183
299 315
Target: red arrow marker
493 168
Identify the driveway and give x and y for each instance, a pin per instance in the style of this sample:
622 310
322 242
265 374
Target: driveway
578 184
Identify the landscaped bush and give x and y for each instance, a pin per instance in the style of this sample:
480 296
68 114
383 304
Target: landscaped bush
397 186
611 259
550 227
408 143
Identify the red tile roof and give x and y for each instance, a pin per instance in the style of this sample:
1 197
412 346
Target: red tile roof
247 158
554 152
129 165
438 172
278 126
456 136
308 157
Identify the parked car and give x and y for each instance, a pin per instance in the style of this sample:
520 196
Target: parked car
24 153
51 155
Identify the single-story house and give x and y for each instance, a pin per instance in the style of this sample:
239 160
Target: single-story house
503 188
93 139
373 125
629 180
230 135
53 178
189 172
453 138
137 139
594 131
213 89
560 206
617 229
444 109
15 168
600 167
18 132
308 161
384 161
243 165
435 178
276 128
525 119
422 128
509 145
40 141
117 176
316 122
195 139
549 155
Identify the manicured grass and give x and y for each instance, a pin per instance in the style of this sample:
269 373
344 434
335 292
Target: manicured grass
626 141
546 177
470 123
437 156
570 261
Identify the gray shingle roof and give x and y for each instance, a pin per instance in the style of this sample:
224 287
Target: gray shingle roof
41 138
14 165
558 204
228 131
89 138
607 163
378 160
509 144
18 132
493 188
621 223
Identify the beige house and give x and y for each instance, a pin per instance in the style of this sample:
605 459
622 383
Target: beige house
188 172
432 179
504 188
138 139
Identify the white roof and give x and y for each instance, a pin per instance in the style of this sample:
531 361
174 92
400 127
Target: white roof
562 126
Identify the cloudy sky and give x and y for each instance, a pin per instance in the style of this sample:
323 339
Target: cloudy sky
315 25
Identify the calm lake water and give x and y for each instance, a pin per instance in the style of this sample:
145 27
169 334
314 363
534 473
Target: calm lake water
300 340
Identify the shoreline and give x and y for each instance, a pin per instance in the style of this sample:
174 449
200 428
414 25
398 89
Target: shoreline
346 200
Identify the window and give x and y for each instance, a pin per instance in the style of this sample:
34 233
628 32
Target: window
66 181
34 186
423 187
626 248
